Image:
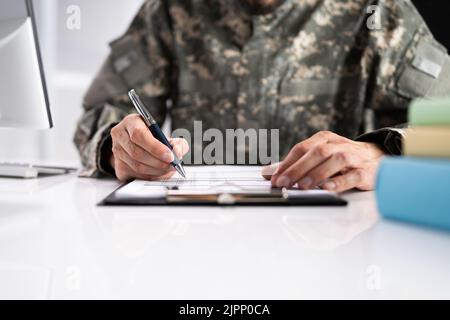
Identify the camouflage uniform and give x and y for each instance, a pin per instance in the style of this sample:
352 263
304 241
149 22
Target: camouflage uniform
311 65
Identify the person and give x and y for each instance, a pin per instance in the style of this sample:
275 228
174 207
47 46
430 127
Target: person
334 76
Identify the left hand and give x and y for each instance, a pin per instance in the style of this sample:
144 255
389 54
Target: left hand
331 162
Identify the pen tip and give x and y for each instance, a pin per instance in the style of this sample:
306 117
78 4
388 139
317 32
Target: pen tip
181 171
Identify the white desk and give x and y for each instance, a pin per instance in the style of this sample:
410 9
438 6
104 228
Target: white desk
56 243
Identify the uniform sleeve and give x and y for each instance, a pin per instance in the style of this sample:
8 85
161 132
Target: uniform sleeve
407 63
140 59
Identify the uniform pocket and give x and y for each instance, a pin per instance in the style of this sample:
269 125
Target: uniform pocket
422 69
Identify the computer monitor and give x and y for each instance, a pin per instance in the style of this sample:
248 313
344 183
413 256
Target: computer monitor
24 100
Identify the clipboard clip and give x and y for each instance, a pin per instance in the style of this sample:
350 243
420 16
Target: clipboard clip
231 199
226 199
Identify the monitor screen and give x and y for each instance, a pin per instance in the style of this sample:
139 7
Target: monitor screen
24 101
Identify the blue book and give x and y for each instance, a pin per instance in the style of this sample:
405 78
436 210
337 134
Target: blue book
415 190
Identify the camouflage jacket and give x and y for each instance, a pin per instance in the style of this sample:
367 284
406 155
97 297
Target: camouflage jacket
311 65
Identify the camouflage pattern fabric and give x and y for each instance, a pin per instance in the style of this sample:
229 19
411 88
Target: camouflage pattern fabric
311 65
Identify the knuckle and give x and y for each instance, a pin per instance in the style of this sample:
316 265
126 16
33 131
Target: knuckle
342 157
318 134
114 132
299 148
322 151
129 118
115 149
325 135
136 134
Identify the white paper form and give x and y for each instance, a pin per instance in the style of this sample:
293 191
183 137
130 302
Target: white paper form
206 180
202 180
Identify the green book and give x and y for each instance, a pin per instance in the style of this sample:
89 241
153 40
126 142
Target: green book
430 112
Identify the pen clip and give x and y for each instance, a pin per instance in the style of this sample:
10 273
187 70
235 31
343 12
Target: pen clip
140 107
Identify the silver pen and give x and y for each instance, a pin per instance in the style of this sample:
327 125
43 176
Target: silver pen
155 129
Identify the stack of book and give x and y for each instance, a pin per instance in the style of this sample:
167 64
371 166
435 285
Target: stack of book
416 188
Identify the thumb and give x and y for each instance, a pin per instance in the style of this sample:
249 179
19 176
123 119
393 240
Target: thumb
180 146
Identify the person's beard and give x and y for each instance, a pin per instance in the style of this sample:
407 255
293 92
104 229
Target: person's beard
261 7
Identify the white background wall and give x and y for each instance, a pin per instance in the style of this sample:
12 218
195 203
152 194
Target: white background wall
71 58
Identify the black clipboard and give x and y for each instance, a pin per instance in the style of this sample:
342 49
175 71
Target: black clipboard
276 197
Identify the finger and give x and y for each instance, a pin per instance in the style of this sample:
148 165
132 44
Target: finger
140 135
123 171
297 172
137 153
338 162
126 173
180 146
300 149
268 171
139 167
345 182
121 138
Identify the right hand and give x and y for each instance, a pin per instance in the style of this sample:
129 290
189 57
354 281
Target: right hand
137 154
